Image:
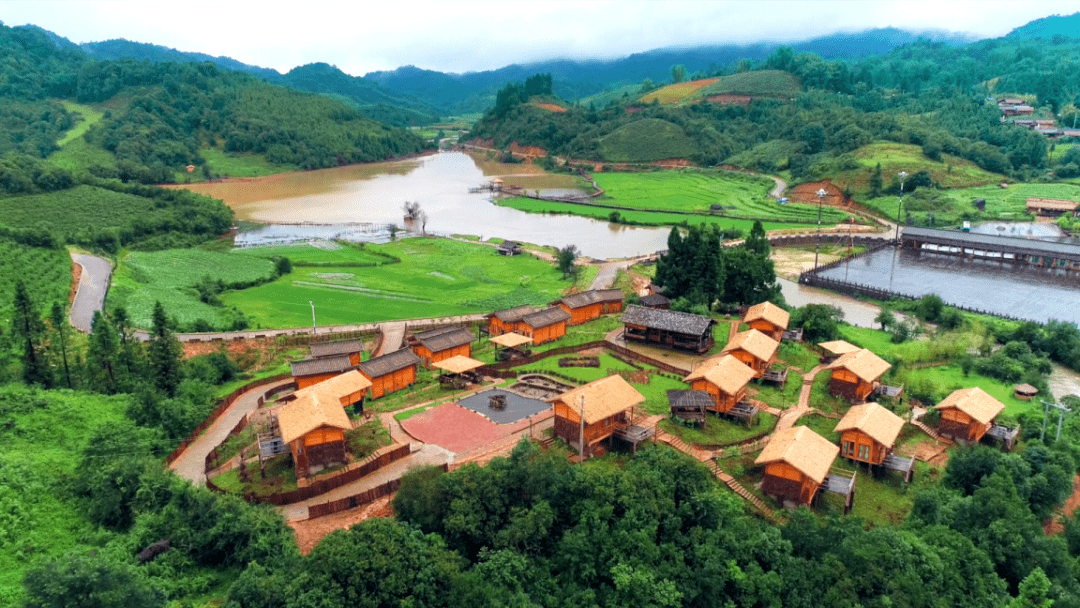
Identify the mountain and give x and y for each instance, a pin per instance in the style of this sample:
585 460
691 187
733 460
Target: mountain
126 49
395 108
1048 27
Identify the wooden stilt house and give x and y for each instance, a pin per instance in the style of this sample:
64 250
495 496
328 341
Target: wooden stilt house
856 374
690 405
440 344
753 348
310 372
967 414
668 328
607 405
314 424
797 462
508 321
390 372
589 305
724 379
768 318
354 349
868 433
545 325
836 349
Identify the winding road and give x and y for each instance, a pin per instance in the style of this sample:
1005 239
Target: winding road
93 286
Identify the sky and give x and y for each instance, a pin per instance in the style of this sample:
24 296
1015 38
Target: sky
473 35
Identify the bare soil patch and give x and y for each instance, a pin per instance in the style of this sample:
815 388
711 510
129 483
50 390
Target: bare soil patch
76 276
310 531
551 107
790 263
1054 525
807 193
742 100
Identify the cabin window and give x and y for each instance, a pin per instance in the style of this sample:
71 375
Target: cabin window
864 452
849 448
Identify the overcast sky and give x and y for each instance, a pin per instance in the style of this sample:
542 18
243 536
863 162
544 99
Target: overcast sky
462 36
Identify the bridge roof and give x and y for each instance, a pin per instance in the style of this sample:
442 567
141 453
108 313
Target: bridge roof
993 242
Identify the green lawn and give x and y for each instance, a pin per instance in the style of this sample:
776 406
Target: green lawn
720 430
90 117
239 165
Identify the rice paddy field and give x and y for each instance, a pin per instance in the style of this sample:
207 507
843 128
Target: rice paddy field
435 278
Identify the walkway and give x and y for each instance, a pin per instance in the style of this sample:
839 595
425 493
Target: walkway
192 461
792 415
90 294
393 334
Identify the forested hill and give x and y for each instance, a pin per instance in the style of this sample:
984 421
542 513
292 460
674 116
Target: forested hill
148 121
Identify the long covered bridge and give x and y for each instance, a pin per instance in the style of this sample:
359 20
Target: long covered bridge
990 247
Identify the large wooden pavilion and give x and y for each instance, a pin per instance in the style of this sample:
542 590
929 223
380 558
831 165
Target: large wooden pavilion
868 433
967 414
855 375
588 305
390 372
753 348
768 318
607 406
668 328
314 424
724 378
797 462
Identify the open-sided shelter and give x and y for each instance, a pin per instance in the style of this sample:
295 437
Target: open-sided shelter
868 433
545 325
656 301
506 321
588 305
511 343
442 343
310 372
967 414
668 328
459 370
606 405
768 318
690 405
724 378
390 372
753 348
314 424
855 374
797 461
354 349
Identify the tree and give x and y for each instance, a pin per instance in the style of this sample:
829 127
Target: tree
678 73
164 353
875 182
283 266
757 242
819 322
565 259
1033 591
749 279
59 323
89 580
29 330
885 318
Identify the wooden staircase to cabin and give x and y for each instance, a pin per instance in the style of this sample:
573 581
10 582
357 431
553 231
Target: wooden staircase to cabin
929 431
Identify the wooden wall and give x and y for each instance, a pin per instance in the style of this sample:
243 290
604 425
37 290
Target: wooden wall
857 439
961 426
751 361
722 402
849 386
392 382
585 313
306 381
497 328
542 335
568 425
324 446
429 357
786 483
767 328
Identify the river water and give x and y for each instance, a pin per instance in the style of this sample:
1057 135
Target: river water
339 199
1000 288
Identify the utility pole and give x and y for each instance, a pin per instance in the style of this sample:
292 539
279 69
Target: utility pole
581 431
1061 418
820 197
313 326
901 175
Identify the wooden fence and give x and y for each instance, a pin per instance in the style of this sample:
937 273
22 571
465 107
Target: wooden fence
500 369
358 500
219 410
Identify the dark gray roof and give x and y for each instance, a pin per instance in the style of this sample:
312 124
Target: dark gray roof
445 338
511 315
329 349
667 320
593 296
386 364
654 300
321 365
548 316
689 399
972 239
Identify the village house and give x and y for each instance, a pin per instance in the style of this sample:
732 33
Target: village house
690 405
868 433
309 372
768 318
656 301
354 349
967 414
855 375
753 348
1050 207
507 321
606 405
545 325
724 379
797 462
439 344
509 248
391 372
668 328
313 425
589 305
836 349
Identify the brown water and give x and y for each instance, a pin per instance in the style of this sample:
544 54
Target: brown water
374 193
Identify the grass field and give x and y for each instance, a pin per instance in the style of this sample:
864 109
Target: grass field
46 273
674 93
646 140
437 277
764 83
238 165
90 117
143 278
340 254
622 94
952 172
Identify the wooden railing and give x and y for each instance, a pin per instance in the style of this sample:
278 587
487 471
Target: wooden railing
358 500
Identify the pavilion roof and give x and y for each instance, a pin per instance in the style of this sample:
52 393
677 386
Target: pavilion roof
863 363
767 311
511 340
974 402
879 423
759 345
725 372
310 410
806 451
458 364
603 398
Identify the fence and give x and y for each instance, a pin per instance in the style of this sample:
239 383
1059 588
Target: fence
218 411
748 447
358 500
497 368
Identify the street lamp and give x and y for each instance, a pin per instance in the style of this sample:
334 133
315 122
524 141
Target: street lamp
820 197
901 175
313 331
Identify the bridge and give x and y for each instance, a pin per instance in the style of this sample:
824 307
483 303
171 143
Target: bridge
991 247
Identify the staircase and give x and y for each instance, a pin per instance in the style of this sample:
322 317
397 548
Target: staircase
929 431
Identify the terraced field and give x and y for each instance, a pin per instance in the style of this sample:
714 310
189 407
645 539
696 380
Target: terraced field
674 93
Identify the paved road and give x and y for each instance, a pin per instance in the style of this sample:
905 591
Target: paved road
778 191
93 285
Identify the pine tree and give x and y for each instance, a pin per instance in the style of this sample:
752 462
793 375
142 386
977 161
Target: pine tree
59 323
757 242
30 331
164 353
875 182
101 356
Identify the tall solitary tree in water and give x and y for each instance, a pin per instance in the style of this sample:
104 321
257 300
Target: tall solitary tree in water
29 330
164 353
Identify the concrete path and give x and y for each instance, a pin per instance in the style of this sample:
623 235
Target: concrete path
393 334
792 415
778 191
90 294
427 455
191 462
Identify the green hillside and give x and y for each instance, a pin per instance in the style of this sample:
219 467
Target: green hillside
766 83
644 141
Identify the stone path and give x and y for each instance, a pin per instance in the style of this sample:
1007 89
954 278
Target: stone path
792 415
733 330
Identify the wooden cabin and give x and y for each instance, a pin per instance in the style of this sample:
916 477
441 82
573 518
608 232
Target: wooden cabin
607 404
353 348
668 329
545 325
443 343
314 424
589 305
656 301
690 405
391 372
856 374
797 461
507 321
753 348
967 414
509 248
768 318
868 433
836 349
724 379
310 372
1050 207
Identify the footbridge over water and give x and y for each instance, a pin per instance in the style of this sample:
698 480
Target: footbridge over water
991 247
